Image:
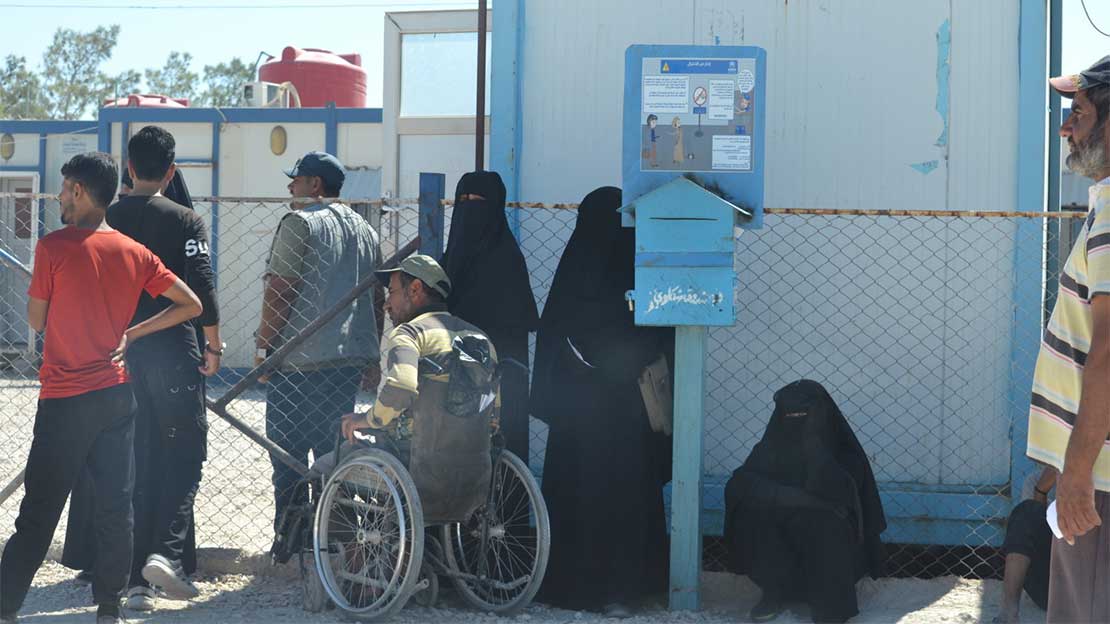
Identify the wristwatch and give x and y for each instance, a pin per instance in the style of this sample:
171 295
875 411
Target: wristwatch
215 352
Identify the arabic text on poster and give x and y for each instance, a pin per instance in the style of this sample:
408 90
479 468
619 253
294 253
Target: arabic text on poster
732 153
666 94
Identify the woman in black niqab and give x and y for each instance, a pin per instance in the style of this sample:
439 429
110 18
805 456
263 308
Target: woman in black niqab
490 289
604 468
802 514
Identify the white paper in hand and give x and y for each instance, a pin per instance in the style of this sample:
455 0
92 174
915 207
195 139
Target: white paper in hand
1053 521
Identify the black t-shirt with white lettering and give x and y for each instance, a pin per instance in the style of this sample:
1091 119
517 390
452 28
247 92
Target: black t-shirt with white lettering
179 238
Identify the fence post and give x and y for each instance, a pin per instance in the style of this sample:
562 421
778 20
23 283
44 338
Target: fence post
686 490
1025 336
431 213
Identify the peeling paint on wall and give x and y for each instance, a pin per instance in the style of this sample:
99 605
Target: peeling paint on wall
944 50
925 168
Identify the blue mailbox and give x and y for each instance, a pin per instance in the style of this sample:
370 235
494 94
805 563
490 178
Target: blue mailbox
685 241
692 175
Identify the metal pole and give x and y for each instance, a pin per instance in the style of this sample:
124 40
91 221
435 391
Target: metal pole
276 357
432 191
220 406
686 479
1055 250
480 108
13 263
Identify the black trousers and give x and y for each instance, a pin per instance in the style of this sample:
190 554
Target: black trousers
303 412
170 448
1027 533
171 431
92 430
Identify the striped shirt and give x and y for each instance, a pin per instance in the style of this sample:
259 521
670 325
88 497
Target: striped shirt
450 455
429 335
1058 380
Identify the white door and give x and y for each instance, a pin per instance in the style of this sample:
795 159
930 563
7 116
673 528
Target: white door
19 225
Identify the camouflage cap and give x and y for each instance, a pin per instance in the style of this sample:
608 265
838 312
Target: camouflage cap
423 268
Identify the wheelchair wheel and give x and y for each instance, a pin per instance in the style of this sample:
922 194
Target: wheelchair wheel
368 538
498 556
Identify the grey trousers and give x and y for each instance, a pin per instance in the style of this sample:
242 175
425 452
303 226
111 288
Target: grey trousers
1079 577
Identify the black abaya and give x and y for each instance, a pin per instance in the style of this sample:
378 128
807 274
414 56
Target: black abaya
803 515
604 469
490 289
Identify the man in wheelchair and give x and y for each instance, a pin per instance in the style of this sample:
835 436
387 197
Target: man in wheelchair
438 394
429 462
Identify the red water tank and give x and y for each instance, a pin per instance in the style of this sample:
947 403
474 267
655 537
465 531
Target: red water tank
319 76
136 100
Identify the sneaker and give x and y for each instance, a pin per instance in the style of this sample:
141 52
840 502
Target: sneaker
169 577
140 598
767 609
83 578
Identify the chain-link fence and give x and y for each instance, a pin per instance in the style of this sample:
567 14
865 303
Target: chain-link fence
907 319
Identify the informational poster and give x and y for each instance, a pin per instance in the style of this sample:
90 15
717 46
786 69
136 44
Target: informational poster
73 145
697 114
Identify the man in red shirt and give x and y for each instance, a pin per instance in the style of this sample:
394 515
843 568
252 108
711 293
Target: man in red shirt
85 288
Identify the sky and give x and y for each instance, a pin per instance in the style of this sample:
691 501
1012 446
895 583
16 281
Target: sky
214 35
1082 45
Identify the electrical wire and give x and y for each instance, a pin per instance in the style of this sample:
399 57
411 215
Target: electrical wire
1100 31
210 7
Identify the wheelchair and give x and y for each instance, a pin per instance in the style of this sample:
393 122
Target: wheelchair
367 552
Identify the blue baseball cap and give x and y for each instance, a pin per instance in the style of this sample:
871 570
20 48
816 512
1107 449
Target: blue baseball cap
321 164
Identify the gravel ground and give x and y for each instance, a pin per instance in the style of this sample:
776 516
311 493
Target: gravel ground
274 597
235 508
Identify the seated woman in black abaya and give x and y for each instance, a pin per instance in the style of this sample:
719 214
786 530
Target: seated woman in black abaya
803 514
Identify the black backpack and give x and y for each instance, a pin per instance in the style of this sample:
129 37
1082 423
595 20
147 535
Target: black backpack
472 376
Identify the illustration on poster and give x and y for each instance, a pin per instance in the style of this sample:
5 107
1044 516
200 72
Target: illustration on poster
714 97
700 96
679 152
743 103
650 153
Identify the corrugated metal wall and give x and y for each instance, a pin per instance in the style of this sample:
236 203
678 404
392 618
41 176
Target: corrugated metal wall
871 104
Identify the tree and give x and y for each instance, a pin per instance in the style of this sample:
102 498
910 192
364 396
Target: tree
224 83
71 70
175 78
121 85
21 95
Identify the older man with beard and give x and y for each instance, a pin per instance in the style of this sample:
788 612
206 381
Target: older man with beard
1069 416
